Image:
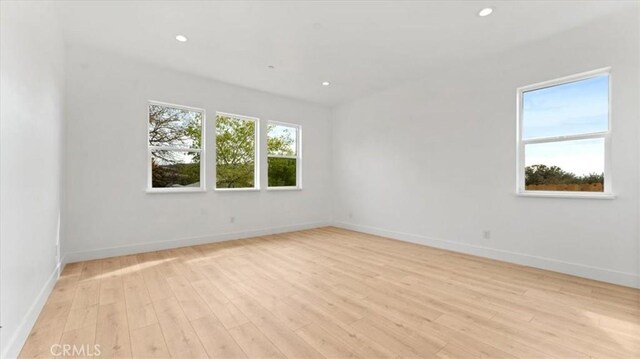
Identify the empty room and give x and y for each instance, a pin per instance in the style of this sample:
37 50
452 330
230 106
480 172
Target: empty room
320 179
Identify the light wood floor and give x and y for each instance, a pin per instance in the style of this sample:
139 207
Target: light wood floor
332 293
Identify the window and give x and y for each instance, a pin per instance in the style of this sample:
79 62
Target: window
283 155
176 145
236 152
564 136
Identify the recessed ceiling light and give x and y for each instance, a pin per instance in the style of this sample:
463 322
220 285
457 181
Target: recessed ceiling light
326 83
181 38
485 12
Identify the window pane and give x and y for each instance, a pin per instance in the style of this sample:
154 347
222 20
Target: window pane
565 166
175 169
235 158
573 108
174 127
281 140
282 172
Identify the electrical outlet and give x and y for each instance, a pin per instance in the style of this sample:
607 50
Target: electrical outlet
486 234
232 219
350 215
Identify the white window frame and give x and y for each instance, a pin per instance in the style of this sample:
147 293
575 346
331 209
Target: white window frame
256 154
201 150
521 143
298 157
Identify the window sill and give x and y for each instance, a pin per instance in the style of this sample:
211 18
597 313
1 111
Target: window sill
581 195
175 190
284 188
236 189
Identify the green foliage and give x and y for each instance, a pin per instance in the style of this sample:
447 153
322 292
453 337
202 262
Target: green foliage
175 175
194 131
548 175
282 172
235 152
281 144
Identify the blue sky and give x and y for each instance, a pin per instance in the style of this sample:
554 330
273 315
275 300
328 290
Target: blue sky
569 109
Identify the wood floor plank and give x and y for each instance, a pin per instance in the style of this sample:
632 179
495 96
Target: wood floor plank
224 310
216 339
331 293
82 317
112 331
275 330
72 269
180 337
148 342
192 304
387 338
79 343
140 311
254 343
507 343
87 294
47 330
359 344
154 276
65 289
111 290
111 267
91 270
324 342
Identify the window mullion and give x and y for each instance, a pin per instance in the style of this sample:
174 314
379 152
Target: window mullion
565 138
282 156
169 148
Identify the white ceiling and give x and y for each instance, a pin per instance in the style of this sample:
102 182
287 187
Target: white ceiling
359 46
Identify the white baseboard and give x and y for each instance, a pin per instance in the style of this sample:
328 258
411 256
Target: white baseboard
176 243
15 343
580 270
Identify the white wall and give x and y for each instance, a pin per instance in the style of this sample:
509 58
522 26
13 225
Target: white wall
32 89
433 161
108 210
